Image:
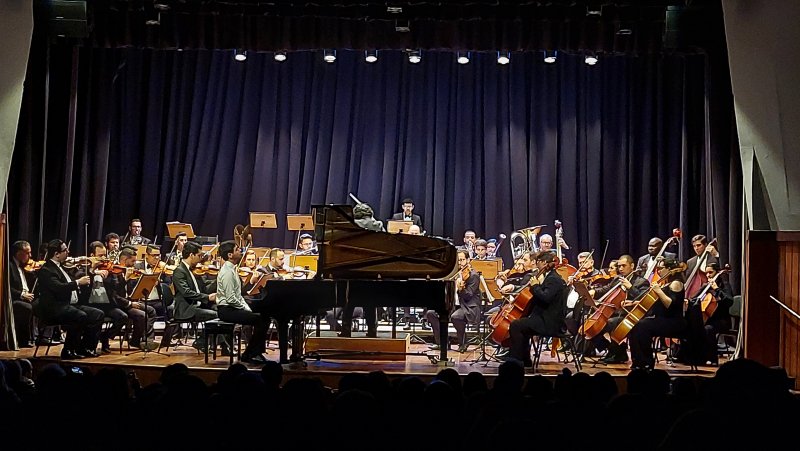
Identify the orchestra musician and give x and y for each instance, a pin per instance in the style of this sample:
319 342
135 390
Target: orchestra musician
664 319
575 306
511 281
408 213
141 315
634 286
233 308
700 245
191 300
469 242
111 241
58 299
306 245
719 321
491 248
414 230
134 236
174 257
469 300
546 242
481 251
21 283
653 248
547 311
99 299
152 264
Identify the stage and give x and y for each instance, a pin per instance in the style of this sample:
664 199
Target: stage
419 360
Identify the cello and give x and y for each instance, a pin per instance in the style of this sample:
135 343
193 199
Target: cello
708 302
606 306
513 310
697 277
643 305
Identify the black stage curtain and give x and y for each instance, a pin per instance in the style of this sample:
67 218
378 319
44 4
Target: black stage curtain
619 152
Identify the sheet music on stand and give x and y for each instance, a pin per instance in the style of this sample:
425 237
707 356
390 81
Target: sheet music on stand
263 220
141 292
396 226
175 227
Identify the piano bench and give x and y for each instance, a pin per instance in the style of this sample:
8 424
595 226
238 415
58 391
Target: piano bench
215 327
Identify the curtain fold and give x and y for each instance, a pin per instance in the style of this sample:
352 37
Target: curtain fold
618 151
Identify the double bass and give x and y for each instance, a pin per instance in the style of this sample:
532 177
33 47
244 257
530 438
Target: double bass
697 277
643 305
563 268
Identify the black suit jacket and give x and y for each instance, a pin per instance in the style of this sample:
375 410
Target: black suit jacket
187 299
642 263
549 301
54 290
15 281
414 218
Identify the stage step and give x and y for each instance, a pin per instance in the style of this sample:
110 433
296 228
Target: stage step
358 348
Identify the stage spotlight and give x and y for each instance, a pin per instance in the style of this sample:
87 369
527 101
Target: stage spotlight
590 59
239 55
414 56
550 56
329 56
463 58
280 56
370 56
503 58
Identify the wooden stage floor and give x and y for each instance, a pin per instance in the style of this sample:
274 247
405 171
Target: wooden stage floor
417 363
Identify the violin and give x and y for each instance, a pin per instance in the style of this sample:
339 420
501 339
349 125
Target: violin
33 265
464 275
210 269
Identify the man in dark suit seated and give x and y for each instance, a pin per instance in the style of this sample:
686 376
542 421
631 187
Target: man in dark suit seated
649 259
58 301
22 299
192 303
408 213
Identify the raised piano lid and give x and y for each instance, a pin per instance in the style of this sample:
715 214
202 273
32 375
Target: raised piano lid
346 251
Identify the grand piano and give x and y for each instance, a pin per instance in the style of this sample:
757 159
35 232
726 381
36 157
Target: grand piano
362 268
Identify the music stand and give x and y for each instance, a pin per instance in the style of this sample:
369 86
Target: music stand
175 227
482 331
395 226
141 251
263 220
298 223
146 284
306 261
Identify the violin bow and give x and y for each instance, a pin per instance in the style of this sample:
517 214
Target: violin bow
605 249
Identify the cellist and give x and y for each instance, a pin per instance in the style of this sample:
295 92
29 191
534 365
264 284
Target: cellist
720 320
634 286
511 281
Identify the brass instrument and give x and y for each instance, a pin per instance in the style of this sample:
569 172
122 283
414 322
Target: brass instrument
524 240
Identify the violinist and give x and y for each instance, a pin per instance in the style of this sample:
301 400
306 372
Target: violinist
21 283
547 312
192 303
58 304
233 308
469 300
586 273
511 281
152 264
141 315
99 297
134 236
634 286
306 245
664 319
174 257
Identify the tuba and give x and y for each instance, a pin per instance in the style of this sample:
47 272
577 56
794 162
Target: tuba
524 240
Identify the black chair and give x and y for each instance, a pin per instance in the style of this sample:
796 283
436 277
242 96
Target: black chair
569 349
46 332
123 335
731 334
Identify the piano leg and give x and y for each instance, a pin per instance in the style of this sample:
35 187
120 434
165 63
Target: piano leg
283 339
444 340
297 339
